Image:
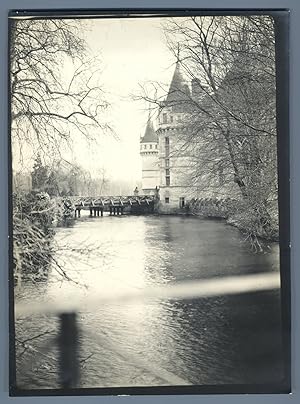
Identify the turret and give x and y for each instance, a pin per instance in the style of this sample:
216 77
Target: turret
149 154
199 90
149 141
179 92
173 118
177 102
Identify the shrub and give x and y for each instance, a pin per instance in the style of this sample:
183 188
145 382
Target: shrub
33 216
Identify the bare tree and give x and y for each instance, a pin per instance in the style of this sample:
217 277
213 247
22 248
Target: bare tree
56 95
230 124
55 88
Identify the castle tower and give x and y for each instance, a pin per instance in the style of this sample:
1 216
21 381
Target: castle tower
174 164
149 155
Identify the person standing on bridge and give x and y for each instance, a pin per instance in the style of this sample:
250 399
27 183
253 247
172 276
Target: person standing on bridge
136 191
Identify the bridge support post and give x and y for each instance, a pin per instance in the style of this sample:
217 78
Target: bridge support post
101 210
78 212
98 211
91 211
122 210
118 210
69 351
95 212
110 210
75 213
114 210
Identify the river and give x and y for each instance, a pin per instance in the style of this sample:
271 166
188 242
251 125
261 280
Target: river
211 341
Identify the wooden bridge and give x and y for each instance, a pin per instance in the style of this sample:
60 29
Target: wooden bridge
115 205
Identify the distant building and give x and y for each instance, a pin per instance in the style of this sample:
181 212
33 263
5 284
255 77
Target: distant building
168 157
149 155
174 162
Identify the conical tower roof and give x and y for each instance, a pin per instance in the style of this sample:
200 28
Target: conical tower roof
150 135
179 93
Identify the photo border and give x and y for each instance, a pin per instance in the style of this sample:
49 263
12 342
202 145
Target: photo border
281 18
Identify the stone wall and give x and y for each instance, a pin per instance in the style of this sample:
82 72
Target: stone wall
206 207
212 207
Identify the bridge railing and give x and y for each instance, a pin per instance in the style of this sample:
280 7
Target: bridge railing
111 199
67 312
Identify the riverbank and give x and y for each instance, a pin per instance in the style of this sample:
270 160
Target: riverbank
255 226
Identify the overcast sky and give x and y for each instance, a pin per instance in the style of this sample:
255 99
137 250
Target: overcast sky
133 51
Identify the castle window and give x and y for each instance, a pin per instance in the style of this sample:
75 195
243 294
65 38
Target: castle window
167 199
167 172
167 181
171 118
156 146
167 163
181 202
164 118
167 146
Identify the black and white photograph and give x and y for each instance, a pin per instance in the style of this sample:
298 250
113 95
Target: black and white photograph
148 203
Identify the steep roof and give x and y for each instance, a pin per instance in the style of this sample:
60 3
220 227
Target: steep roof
179 93
150 135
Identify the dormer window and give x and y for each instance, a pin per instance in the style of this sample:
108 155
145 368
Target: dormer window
151 146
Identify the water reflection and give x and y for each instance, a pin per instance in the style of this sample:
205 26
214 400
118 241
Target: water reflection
207 341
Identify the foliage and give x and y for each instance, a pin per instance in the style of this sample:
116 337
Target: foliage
39 175
67 180
55 92
255 221
34 247
33 215
52 184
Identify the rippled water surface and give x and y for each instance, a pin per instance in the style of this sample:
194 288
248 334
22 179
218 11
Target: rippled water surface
220 340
